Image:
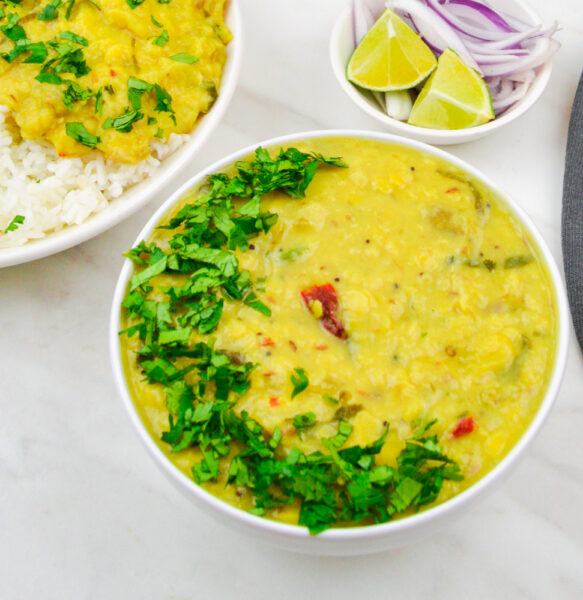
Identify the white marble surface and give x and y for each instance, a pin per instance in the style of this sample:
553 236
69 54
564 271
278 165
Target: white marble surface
85 514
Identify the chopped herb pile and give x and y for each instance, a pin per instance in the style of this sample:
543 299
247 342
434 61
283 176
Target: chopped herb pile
201 382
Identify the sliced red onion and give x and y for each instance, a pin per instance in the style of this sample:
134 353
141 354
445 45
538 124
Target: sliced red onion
542 51
493 32
496 59
500 87
399 104
433 29
511 41
524 76
501 104
380 98
477 14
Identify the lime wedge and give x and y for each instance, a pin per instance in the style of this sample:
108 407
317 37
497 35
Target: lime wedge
391 56
454 97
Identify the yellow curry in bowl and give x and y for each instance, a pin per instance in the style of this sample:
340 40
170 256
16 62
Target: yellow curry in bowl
336 333
112 75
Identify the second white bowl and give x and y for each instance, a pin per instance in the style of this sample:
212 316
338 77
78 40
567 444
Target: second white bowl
342 46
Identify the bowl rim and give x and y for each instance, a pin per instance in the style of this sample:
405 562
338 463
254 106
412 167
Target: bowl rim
139 194
429 135
412 522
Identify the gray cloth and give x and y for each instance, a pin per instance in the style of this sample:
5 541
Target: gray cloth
572 218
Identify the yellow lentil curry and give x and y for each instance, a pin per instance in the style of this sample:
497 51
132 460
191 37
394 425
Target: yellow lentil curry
110 75
399 333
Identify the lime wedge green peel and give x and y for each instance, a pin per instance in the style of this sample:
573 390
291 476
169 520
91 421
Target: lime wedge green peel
391 56
454 97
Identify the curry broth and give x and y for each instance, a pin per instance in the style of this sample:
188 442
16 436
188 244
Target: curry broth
440 324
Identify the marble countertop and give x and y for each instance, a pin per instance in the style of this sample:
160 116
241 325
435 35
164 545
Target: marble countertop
84 512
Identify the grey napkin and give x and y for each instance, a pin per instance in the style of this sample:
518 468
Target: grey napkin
572 218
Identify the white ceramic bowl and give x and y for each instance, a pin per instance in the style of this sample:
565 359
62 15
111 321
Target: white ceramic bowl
354 540
140 194
342 46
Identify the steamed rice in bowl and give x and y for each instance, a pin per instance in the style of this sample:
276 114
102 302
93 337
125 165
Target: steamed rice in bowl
53 198
51 192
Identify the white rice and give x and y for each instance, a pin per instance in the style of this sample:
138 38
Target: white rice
52 192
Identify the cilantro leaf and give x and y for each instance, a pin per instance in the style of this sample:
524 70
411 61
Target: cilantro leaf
49 12
304 421
70 5
163 99
15 223
299 380
12 30
162 39
73 37
75 93
184 58
99 102
79 133
137 87
125 121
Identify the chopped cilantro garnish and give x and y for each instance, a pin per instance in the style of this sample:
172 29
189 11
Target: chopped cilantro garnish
123 122
79 133
73 37
304 421
184 58
338 485
99 102
70 5
49 12
133 3
75 93
299 380
12 30
154 22
163 99
49 78
68 59
16 222
37 52
162 39
137 87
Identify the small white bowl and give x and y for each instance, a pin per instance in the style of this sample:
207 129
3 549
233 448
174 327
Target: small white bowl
342 46
140 194
353 540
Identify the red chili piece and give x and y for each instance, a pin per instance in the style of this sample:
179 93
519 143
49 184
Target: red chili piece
464 426
326 295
